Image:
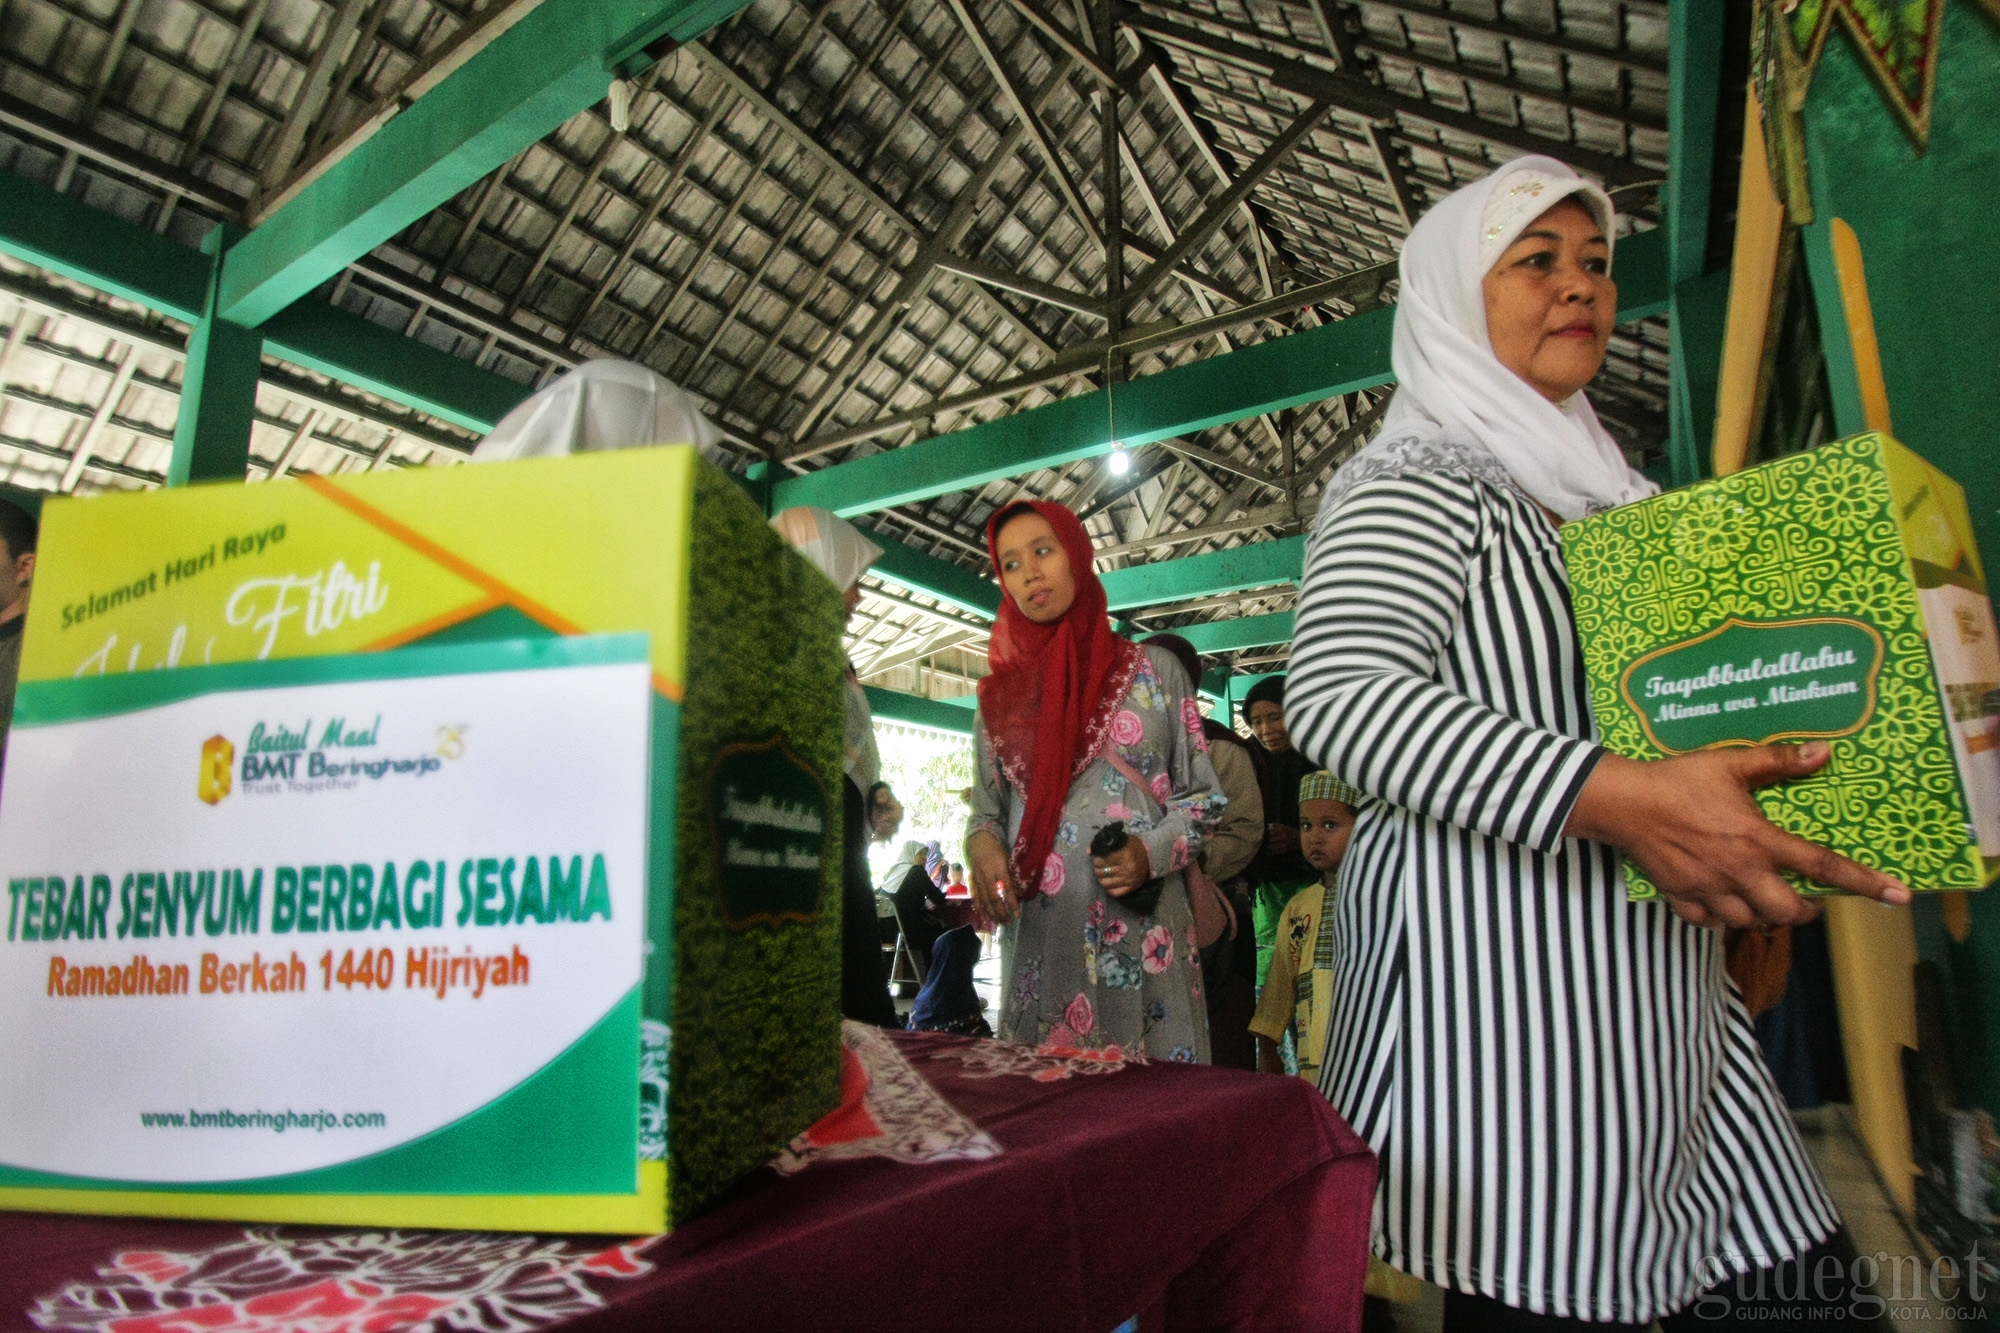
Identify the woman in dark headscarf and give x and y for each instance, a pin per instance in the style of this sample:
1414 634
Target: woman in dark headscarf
1079 729
838 550
1279 869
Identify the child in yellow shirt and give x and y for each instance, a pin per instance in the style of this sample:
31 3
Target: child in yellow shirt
1300 988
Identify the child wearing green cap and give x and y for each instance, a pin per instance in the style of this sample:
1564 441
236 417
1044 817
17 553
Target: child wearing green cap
1299 989
1299 992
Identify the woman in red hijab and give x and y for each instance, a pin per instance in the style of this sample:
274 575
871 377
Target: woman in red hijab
1079 729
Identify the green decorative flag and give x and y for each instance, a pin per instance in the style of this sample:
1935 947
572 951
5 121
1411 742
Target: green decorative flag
1897 41
1833 595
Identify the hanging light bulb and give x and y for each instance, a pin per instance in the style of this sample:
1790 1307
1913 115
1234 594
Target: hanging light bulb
1120 461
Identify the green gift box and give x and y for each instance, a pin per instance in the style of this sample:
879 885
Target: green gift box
476 859
1835 594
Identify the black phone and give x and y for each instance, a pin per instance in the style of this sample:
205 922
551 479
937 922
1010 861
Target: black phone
1142 901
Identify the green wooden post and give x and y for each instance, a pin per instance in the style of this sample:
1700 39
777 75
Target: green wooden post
1698 308
218 389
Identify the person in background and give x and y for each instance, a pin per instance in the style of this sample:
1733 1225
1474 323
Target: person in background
957 881
18 533
885 812
1228 966
918 903
1299 993
1079 729
917 894
1279 871
949 1002
838 550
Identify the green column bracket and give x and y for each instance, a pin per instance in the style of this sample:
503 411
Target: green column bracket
104 251
218 389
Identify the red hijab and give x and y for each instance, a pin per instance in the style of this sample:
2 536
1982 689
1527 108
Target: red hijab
1053 691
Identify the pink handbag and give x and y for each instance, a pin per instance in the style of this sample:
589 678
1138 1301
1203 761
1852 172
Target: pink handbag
1213 913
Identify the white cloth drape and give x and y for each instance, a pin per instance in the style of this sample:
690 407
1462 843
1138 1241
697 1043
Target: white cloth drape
1447 378
602 404
837 549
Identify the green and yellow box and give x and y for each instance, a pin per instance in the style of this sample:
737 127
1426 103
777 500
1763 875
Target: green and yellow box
1835 594
716 1038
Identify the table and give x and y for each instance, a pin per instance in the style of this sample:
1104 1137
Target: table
1073 1191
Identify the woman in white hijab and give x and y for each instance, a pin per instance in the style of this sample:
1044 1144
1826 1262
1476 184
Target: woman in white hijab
1563 1087
837 549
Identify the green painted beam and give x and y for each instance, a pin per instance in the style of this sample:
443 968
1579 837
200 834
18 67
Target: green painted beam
914 711
1226 636
104 251
100 249
515 90
218 390
358 351
1264 377
1258 565
957 588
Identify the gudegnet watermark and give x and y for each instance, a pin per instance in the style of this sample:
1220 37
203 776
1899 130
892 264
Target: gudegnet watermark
1860 1290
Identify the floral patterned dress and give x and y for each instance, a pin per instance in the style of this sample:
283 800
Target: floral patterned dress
1080 970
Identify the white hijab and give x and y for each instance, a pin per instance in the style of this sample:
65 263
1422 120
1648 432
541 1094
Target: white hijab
837 549
908 859
602 404
1447 377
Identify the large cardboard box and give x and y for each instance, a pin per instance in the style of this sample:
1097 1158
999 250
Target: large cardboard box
448 847
1835 594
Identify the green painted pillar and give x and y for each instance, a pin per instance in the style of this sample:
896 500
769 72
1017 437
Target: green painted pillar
1699 323
1698 307
218 389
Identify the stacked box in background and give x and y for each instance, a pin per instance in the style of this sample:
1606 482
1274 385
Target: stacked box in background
1833 594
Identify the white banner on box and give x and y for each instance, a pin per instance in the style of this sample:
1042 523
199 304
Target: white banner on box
281 926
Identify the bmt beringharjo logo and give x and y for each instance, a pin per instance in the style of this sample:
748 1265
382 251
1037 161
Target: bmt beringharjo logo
280 758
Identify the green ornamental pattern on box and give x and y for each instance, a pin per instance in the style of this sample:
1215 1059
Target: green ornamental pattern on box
757 1007
1785 603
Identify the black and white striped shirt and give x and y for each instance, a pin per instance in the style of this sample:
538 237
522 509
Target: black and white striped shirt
1563 1087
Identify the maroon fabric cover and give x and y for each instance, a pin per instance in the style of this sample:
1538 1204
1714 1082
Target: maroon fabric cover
1196 1198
